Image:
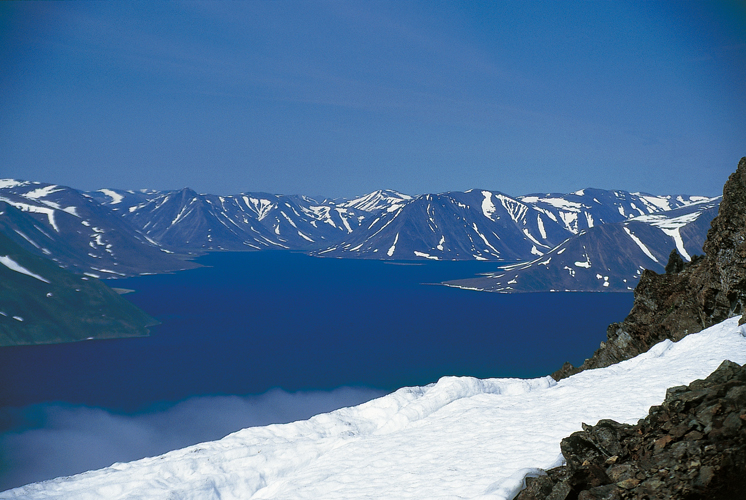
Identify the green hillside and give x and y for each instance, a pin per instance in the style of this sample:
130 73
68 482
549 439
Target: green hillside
41 303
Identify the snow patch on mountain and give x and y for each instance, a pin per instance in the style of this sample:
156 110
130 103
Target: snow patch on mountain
42 192
671 226
116 198
516 209
12 183
15 266
25 207
640 244
392 249
382 199
585 263
488 208
425 255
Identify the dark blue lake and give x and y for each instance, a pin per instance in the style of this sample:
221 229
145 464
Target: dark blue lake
248 322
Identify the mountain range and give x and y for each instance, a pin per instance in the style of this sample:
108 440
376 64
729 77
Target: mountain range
588 240
609 257
111 233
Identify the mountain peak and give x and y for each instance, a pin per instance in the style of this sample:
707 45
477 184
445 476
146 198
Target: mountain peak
381 199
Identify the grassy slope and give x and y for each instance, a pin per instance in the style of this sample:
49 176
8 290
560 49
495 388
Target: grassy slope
67 309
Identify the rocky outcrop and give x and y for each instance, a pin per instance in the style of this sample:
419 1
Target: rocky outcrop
691 447
689 296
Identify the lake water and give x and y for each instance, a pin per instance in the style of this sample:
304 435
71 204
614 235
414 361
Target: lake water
249 322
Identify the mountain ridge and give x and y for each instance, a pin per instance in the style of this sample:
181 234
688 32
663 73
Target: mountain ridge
111 232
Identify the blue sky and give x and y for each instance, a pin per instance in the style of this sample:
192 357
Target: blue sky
340 98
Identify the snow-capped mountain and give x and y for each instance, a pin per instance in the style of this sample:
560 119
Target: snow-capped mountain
186 220
247 221
608 257
113 232
78 233
489 225
458 438
589 207
120 199
382 199
450 226
384 224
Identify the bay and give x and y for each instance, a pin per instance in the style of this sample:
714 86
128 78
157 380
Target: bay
249 322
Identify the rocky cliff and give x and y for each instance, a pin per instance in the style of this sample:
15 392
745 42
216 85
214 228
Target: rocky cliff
689 296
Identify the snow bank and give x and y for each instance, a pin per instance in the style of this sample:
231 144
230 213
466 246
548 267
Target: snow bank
459 438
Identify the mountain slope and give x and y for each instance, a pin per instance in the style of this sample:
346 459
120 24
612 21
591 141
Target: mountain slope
79 234
120 199
689 296
186 220
590 207
449 226
382 199
247 221
489 225
605 258
41 303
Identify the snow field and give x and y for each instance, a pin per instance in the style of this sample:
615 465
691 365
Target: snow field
460 438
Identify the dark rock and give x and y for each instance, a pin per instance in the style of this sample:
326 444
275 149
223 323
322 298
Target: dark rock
607 492
561 491
549 487
661 443
706 474
731 425
737 395
620 472
675 263
588 476
692 446
628 484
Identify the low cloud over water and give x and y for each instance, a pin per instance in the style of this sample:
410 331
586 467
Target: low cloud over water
52 440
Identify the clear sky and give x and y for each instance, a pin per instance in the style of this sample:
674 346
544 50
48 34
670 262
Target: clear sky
339 98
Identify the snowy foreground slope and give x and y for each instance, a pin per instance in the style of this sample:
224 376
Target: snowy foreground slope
459 438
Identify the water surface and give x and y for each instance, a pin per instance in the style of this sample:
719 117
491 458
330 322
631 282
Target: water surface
249 322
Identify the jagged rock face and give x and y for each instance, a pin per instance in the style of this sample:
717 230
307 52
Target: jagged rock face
725 249
690 296
691 447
